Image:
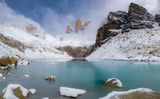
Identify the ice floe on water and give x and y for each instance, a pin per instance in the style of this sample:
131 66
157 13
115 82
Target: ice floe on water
71 92
27 76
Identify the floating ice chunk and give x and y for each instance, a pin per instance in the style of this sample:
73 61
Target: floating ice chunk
1 75
27 76
4 78
71 92
45 98
33 91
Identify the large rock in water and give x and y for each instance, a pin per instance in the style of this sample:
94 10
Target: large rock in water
113 83
138 18
16 91
5 61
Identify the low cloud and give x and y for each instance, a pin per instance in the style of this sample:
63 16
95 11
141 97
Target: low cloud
96 12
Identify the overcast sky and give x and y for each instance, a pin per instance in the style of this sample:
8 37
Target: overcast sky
53 15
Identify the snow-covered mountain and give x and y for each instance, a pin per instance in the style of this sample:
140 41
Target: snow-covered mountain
141 44
129 36
15 41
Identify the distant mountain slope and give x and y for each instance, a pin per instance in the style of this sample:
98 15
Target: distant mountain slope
15 41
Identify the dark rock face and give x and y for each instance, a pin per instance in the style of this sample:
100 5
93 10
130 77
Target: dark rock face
138 18
115 20
119 22
118 19
157 18
77 52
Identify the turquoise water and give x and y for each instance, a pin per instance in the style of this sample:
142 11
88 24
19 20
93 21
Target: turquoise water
88 75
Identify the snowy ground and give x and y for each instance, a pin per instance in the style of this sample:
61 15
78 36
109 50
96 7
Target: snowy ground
134 45
41 47
115 94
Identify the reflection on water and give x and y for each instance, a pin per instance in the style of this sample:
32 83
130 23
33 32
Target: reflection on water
82 74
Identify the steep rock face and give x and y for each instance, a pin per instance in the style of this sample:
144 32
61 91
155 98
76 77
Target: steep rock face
69 30
76 52
116 20
138 18
78 25
157 18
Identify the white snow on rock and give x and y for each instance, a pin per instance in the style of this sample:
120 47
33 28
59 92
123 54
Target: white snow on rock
4 78
33 91
142 44
115 94
115 80
45 98
27 76
50 78
8 91
71 92
40 47
1 75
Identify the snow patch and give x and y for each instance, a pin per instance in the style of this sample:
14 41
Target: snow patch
71 92
115 94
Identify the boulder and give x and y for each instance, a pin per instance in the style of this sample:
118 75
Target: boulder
113 83
5 61
15 91
71 92
50 78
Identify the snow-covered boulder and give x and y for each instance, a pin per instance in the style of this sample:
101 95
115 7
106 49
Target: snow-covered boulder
114 83
139 93
1 75
45 98
50 78
71 92
15 91
27 76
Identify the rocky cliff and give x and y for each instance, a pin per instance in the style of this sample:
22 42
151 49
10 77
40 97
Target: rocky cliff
132 35
137 17
78 27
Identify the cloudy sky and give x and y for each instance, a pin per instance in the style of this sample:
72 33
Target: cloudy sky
54 15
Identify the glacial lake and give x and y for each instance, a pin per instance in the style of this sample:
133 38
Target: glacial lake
88 75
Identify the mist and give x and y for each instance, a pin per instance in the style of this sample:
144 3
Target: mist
95 11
